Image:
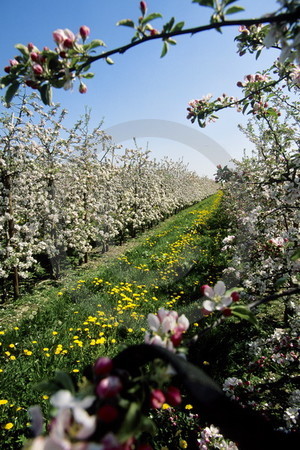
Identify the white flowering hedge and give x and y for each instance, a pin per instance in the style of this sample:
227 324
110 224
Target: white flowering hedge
66 191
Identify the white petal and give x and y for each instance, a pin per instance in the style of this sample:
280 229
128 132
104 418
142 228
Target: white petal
153 322
226 301
183 322
219 288
168 324
162 313
62 399
209 305
208 292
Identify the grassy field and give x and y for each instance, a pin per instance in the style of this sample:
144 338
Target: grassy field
99 308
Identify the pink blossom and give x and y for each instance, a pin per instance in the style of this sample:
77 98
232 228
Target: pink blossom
217 297
157 398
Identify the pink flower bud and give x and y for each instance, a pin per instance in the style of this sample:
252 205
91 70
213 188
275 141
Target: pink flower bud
7 69
103 366
46 49
82 88
226 312
173 396
109 387
176 338
84 32
154 32
203 288
107 413
30 46
143 7
34 56
239 84
13 62
157 398
59 36
68 43
37 69
235 296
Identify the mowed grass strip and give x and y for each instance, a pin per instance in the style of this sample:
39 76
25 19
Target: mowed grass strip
103 309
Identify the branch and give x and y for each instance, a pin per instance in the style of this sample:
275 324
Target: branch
274 297
288 17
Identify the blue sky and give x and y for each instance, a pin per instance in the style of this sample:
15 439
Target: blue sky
141 85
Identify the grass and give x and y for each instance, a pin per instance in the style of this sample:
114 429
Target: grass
98 309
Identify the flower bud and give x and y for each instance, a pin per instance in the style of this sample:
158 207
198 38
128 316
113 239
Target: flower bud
176 338
34 56
143 7
173 396
109 387
107 413
82 88
103 366
37 69
235 296
13 62
203 288
68 43
30 46
7 69
59 36
84 32
226 312
157 398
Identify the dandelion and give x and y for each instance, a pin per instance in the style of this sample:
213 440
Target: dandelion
8 426
3 402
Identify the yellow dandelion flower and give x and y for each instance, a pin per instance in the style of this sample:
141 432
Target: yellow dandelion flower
3 402
45 397
13 358
166 406
54 333
75 370
8 426
188 406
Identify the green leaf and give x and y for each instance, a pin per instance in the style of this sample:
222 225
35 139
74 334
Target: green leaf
169 25
126 23
88 75
245 107
150 18
5 81
228 2
46 94
64 380
178 26
11 91
95 43
131 422
234 9
171 41
209 3
23 49
164 50
109 61
280 282
296 255
244 313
